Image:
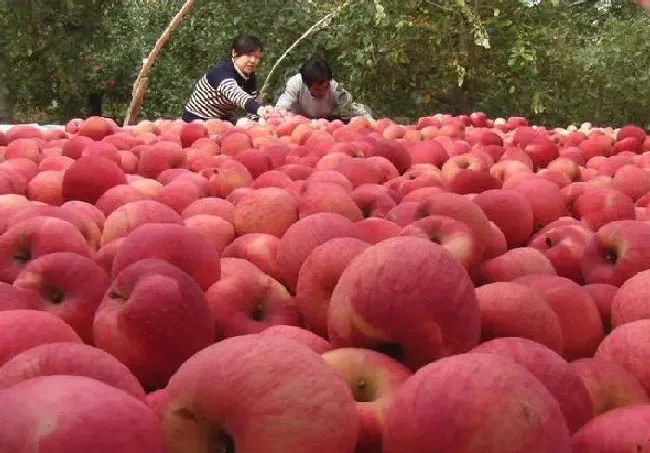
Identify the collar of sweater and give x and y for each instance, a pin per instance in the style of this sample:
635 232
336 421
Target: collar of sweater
239 71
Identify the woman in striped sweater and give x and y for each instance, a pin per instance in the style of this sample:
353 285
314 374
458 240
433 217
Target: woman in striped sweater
228 85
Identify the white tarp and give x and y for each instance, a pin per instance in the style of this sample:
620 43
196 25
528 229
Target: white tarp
5 127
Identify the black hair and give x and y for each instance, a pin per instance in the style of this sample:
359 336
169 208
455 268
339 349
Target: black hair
315 71
245 44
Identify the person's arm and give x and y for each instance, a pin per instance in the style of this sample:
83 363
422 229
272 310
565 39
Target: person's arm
288 100
235 94
344 106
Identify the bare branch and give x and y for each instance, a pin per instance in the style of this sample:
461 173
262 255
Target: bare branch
141 82
317 25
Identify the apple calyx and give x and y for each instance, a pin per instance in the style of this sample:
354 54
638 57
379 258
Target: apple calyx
611 257
225 443
549 242
55 296
22 256
203 435
258 312
117 296
362 391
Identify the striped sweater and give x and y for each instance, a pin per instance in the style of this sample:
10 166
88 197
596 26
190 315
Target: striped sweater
221 90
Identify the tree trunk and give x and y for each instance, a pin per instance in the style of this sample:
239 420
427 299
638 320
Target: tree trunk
7 104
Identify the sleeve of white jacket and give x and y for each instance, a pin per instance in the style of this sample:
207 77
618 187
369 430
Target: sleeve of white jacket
289 98
344 103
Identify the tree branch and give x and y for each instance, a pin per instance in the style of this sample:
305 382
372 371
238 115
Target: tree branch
298 41
140 85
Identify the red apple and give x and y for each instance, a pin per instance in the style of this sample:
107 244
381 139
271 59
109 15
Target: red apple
582 329
475 403
76 413
617 252
552 371
246 301
36 237
630 302
219 232
68 285
443 316
563 242
314 342
89 177
210 206
328 197
620 430
268 210
628 345
24 329
374 230
599 206
304 236
515 263
128 217
510 211
71 359
513 310
186 249
455 236
603 294
302 407
319 274
145 303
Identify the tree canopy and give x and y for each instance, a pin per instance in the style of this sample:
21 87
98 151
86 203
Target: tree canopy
554 61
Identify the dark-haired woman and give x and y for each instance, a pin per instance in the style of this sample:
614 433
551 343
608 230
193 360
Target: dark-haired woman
228 85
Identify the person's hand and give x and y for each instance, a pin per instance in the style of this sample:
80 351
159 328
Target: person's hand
263 111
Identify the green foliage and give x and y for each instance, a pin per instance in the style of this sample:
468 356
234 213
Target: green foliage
554 61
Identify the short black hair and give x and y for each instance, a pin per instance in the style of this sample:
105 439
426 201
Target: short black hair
245 44
315 71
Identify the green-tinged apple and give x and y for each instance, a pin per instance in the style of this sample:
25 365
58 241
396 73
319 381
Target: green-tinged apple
610 385
373 378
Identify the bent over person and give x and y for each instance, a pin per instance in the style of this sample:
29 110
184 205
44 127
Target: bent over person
313 93
228 85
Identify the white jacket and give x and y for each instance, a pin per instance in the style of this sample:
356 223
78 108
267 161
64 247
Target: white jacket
337 102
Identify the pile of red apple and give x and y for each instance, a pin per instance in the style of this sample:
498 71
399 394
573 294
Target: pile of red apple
459 285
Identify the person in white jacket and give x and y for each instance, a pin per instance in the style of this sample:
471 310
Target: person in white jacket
313 93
